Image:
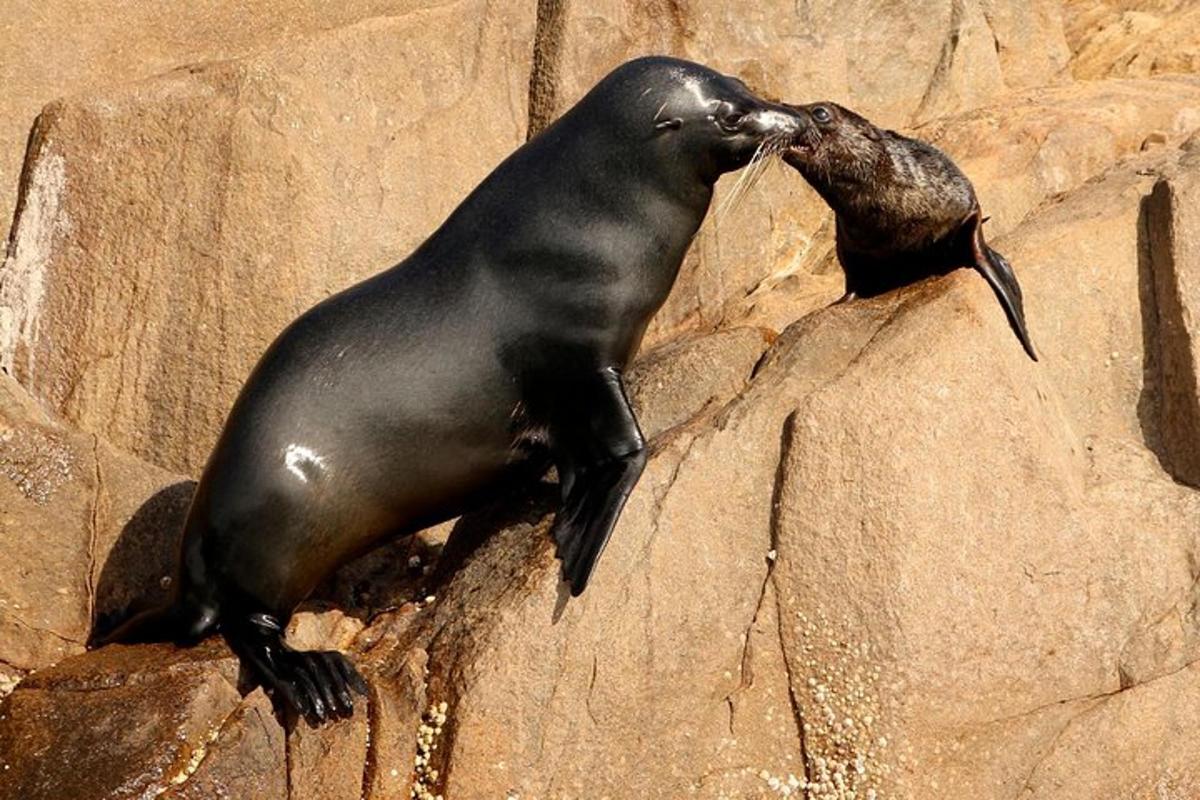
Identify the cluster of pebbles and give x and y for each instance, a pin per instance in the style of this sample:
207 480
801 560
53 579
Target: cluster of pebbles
425 776
845 743
37 463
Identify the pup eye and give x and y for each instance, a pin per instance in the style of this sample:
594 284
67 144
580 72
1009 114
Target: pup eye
821 114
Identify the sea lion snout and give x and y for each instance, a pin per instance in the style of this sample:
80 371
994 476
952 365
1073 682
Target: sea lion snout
778 122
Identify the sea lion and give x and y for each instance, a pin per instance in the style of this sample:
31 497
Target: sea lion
497 346
904 210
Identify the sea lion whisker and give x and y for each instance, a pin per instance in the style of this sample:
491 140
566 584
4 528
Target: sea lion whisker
760 168
745 179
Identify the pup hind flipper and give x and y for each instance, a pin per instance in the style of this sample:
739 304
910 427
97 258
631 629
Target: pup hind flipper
999 274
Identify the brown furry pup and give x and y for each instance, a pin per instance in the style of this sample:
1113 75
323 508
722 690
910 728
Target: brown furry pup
904 210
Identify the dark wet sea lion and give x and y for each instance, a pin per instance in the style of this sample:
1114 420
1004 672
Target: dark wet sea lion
499 344
904 210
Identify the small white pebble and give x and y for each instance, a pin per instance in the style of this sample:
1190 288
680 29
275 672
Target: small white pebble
772 555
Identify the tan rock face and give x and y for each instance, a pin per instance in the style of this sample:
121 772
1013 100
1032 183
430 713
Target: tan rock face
1132 38
55 48
898 62
236 195
85 531
942 520
113 725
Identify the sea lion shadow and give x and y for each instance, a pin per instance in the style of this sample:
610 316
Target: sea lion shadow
139 569
384 578
142 562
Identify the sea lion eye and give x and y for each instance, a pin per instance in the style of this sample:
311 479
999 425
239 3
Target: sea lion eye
821 114
728 117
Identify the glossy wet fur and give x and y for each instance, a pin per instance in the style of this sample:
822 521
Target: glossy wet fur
499 344
904 210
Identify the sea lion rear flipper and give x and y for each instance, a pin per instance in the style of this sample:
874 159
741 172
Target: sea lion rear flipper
601 454
999 274
317 684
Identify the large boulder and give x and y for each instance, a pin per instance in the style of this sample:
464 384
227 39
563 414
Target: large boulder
905 559
168 230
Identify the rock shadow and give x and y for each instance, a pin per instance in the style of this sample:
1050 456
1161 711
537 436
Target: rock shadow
1150 399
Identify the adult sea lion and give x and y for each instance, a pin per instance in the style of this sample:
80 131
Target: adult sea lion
904 209
402 400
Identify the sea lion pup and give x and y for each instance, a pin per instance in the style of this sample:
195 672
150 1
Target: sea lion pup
498 344
904 210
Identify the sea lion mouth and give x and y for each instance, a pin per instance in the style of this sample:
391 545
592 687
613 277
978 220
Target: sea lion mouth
801 149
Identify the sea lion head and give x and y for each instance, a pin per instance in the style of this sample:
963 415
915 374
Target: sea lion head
838 152
693 117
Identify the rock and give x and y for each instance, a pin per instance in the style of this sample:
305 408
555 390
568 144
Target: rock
97 726
1016 27
902 557
672 384
397 701
57 48
327 762
801 557
85 532
1157 757
898 62
324 629
1172 229
282 176
1132 38
244 759
879 551
100 725
1045 142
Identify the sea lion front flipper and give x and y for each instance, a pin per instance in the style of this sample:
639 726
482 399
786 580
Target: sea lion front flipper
600 454
999 274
